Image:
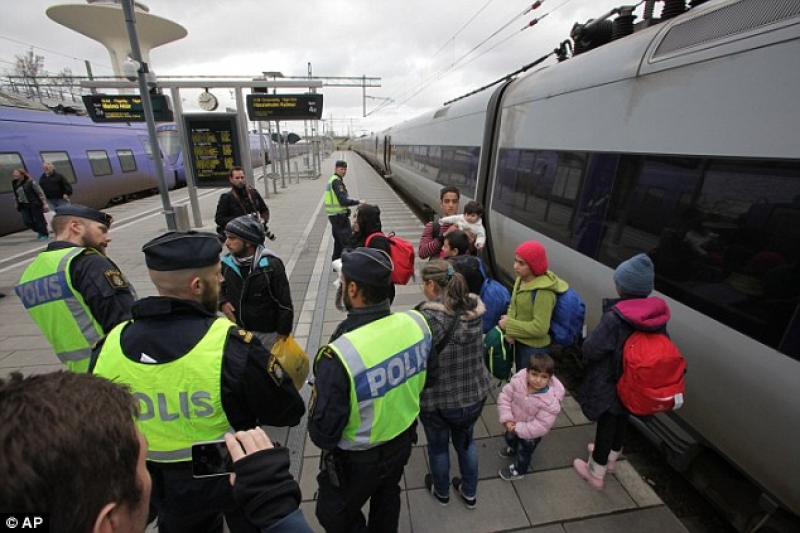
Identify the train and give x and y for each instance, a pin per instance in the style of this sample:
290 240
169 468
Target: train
679 139
104 162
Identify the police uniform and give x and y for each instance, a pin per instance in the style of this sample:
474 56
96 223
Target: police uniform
196 376
336 201
75 295
365 402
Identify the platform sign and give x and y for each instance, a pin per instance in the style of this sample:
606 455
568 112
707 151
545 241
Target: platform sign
125 107
214 147
284 106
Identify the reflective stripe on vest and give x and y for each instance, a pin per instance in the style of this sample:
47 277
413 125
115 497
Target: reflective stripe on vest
180 401
59 310
332 205
386 362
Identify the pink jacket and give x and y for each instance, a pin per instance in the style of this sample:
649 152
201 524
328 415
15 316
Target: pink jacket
534 414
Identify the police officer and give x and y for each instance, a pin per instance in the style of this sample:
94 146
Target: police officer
336 202
72 290
380 358
196 376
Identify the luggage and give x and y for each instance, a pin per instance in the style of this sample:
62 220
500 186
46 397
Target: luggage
402 253
653 371
497 354
566 324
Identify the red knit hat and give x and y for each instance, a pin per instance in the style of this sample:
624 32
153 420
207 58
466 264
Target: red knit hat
534 255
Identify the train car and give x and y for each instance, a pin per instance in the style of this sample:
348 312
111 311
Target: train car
104 162
680 141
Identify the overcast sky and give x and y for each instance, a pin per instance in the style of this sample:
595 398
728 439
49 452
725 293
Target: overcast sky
419 48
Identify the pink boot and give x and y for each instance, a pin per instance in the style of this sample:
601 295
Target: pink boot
591 472
611 465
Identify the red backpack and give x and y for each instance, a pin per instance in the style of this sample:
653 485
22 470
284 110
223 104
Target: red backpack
652 374
402 253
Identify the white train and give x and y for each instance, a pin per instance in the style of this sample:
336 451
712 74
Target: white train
681 140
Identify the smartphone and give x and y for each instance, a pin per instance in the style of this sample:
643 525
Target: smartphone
211 459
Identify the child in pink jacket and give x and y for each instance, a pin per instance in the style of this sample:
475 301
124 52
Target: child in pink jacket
528 406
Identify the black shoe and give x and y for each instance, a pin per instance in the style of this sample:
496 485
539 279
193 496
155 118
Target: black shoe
444 500
471 503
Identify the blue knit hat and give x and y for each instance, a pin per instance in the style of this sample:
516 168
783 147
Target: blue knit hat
635 276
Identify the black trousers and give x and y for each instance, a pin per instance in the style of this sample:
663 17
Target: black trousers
341 230
188 505
33 218
611 433
339 508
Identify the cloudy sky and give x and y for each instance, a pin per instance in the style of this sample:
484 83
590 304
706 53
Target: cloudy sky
424 51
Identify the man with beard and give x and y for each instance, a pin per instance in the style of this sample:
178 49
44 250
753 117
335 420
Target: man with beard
196 376
255 291
240 200
72 290
366 395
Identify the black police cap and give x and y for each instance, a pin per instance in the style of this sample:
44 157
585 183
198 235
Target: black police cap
81 211
368 266
179 250
341 163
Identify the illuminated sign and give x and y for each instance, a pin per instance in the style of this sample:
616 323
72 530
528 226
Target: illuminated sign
284 106
125 107
213 146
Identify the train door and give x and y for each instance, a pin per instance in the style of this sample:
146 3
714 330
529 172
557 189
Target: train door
387 154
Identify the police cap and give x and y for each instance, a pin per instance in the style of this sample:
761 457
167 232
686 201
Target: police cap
179 250
81 211
368 266
342 164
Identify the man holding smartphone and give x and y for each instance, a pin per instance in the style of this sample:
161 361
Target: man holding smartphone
196 376
47 421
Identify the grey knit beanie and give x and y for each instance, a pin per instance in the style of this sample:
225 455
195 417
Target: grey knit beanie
635 276
246 228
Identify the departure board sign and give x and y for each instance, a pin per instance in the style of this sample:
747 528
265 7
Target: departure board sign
214 147
284 106
125 107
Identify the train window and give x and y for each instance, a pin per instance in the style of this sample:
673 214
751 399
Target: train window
724 236
539 189
9 161
170 142
459 168
99 161
147 148
126 160
62 164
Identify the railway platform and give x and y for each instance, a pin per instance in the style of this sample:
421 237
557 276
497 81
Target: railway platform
552 499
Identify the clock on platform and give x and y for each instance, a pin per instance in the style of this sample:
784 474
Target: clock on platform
207 101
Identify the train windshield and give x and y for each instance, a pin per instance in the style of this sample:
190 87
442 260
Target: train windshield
170 143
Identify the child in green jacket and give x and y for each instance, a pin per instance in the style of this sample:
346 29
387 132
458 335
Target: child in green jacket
527 323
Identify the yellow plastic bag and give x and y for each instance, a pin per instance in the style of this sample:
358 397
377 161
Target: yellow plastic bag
292 359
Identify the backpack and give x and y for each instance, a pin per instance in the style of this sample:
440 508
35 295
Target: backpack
496 299
566 323
652 374
402 253
497 354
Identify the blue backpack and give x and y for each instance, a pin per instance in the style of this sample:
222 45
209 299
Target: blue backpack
566 323
495 297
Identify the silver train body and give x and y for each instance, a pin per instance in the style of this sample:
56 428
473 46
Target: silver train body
681 135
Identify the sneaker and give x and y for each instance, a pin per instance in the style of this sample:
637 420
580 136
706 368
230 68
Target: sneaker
41 238
507 452
471 503
510 473
444 500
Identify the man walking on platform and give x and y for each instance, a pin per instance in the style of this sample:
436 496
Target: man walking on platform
366 400
240 200
255 291
432 240
197 376
337 201
72 290
56 187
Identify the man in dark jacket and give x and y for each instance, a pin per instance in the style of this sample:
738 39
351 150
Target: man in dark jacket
255 291
31 202
240 200
196 376
56 187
